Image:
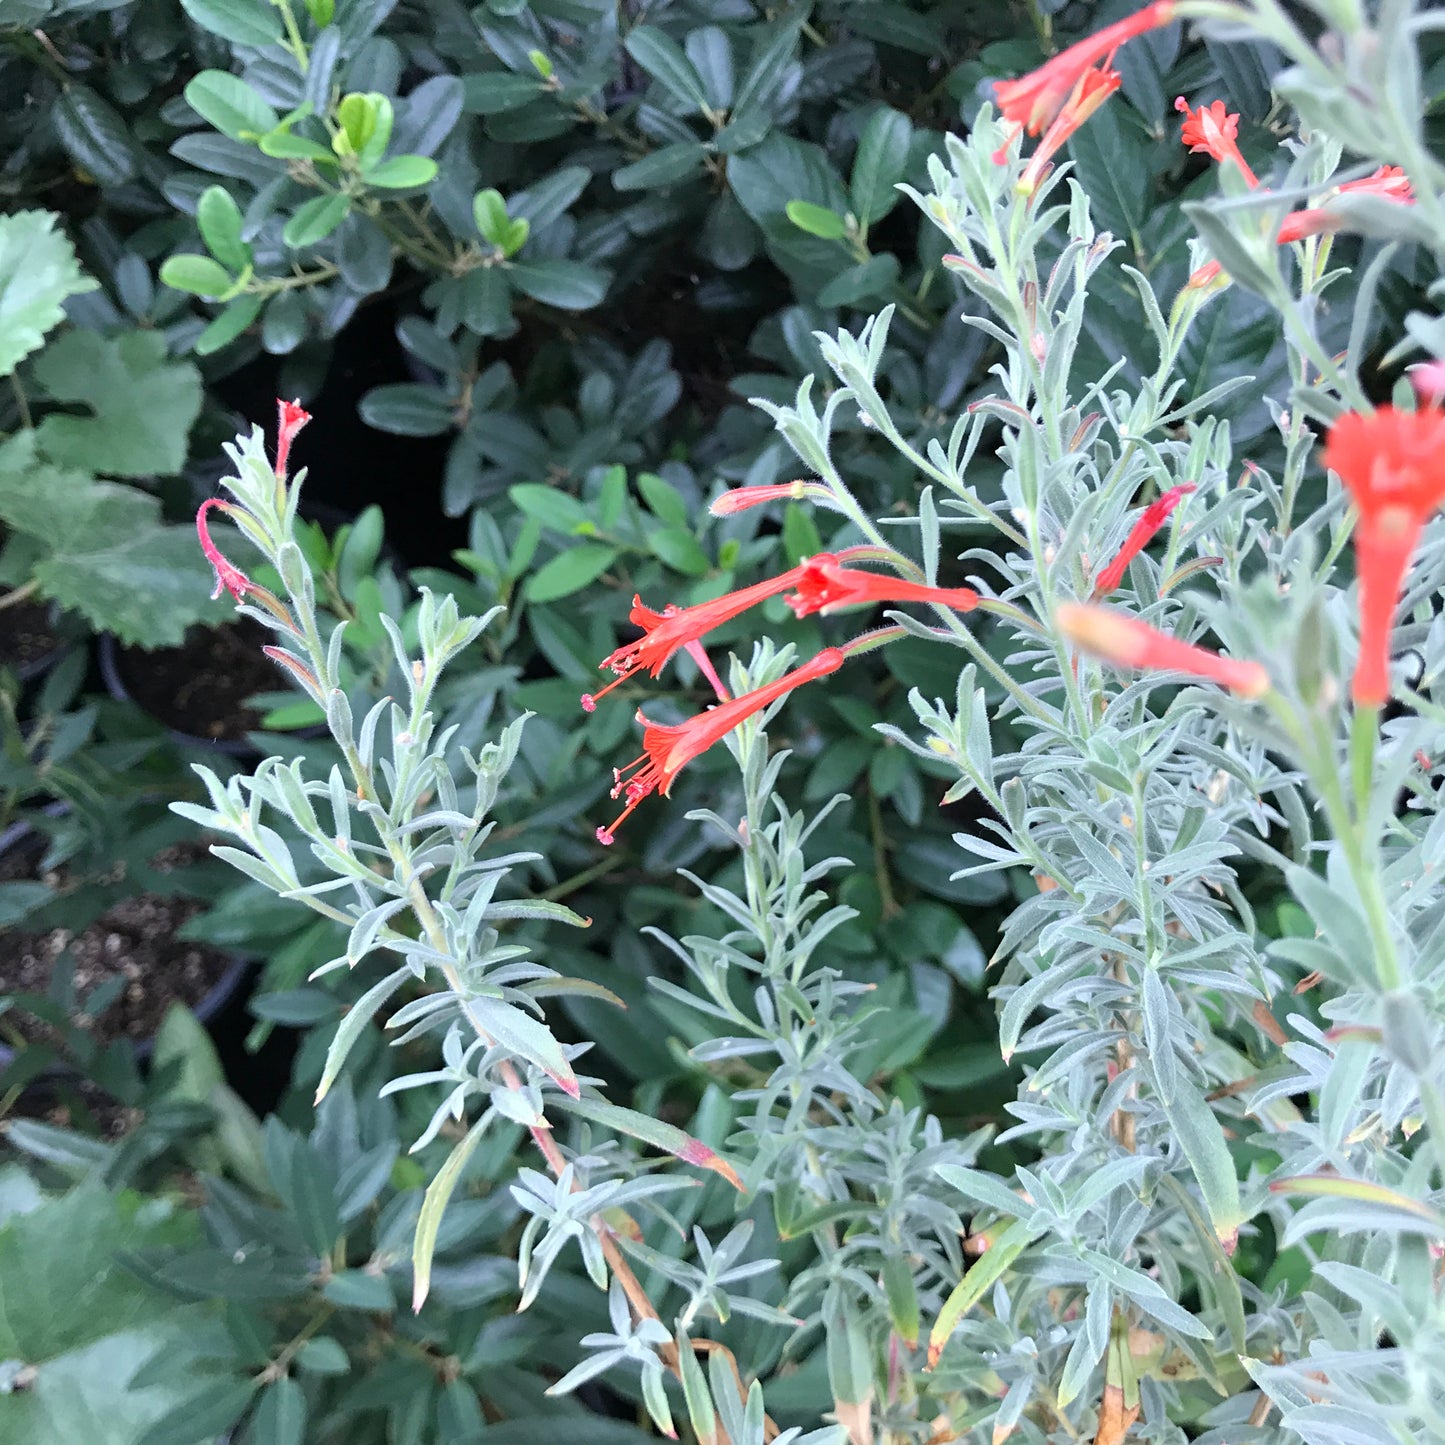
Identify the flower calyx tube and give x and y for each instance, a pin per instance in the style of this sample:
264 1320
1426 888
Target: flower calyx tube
667 748
1093 88
741 499
1128 642
1393 464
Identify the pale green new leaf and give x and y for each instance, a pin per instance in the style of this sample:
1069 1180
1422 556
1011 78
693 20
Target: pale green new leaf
38 270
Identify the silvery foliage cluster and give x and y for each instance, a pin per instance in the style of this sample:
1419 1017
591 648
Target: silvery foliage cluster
1163 1093
1164 1111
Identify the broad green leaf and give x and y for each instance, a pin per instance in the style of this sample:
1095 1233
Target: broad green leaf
660 56
666 167
315 220
652 1131
142 404
570 571
402 172
880 164
408 409
38 270
229 104
494 92
867 280
433 1206
209 1411
243 22
237 316
817 220
280 1414
569 285
219 219
94 134
198 275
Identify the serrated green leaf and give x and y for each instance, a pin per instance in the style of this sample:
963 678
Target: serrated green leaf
38 271
142 404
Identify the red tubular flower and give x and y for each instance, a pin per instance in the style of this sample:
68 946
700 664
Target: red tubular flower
1389 182
1393 463
292 419
1213 130
825 583
1033 100
665 632
1094 87
739 499
1128 642
1154 516
231 578
667 748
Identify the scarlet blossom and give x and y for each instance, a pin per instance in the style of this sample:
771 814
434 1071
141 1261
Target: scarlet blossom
227 576
1094 87
1213 130
1128 642
667 748
1033 100
825 583
292 419
1393 463
1140 535
1389 182
664 632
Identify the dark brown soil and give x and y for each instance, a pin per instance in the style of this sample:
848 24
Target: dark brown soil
134 940
201 686
26 635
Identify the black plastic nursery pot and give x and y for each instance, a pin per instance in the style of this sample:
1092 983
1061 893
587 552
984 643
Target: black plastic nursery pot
30 641
198 691
129 958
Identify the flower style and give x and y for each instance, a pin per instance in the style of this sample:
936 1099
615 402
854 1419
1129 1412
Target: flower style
1141 534
674 627
1094 87
1213 130
227 576
292 419
1033 100
1129 642
1393 463
825 583
667 748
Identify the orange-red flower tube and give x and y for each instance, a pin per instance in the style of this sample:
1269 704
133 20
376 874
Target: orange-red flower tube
825 583
1393 463
1094 87
1128 642
1141 534
1033 100
667 748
